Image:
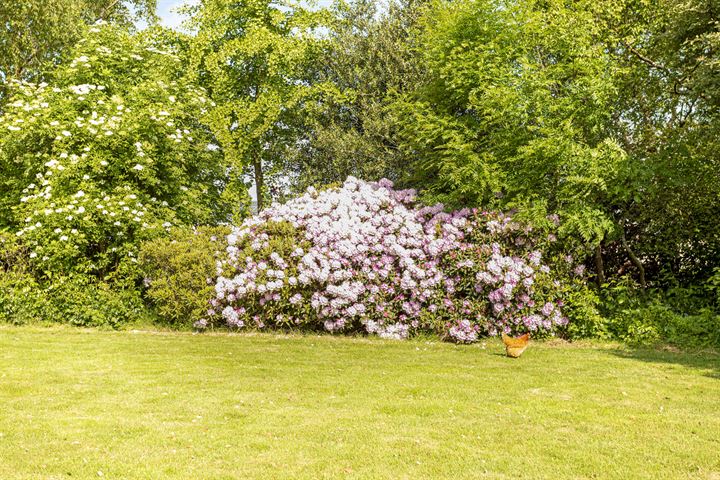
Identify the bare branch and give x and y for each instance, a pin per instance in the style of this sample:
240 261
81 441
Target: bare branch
646 60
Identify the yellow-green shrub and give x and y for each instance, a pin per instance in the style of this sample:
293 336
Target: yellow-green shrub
177 269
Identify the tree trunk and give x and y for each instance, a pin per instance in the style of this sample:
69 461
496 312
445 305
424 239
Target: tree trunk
259 182
599 266
635 260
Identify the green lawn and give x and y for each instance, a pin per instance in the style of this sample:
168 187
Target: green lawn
90 404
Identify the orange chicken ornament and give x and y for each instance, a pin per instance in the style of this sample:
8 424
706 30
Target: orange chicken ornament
514 347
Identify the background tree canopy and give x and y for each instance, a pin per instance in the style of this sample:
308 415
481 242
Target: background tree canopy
602 113
253 57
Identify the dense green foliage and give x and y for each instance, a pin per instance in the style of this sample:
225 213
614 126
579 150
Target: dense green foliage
365 65
35 33
667 121
601 112
514 110
252 56
178 271
77 300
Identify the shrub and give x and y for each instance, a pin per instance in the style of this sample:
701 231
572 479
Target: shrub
366 257
582 308
85 302
712 288
21 299
655 322
680 316
27 296
177 271
107 156
698 330
74 300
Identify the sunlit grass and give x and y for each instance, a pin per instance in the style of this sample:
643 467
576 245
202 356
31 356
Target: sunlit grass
85 404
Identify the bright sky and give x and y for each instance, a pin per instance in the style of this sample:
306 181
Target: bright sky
166 11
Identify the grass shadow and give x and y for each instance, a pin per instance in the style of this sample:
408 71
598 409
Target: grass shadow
707 361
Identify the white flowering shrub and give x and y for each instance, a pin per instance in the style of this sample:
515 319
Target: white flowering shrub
366 257
109 153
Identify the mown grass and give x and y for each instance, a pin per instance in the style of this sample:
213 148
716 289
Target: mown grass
90 404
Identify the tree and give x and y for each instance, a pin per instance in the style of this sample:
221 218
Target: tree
667 121
107 154
35 32
604 112
252 57
515 111
366 63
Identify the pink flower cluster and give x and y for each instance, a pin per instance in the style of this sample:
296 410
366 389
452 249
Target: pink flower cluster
366 256
463 331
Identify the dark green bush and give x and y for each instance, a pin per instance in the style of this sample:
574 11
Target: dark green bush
682 317
177 270
582 306
77 301
74 301
84 301
21 299
713 288
27 296
656 323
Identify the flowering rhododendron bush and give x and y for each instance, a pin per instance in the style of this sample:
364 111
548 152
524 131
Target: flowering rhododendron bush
367 257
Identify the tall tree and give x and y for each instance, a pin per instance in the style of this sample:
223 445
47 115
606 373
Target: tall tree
667 121
603 111
367 62
515 110
252 57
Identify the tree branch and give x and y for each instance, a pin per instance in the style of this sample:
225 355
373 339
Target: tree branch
108 8
599 266
634 259
646 60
